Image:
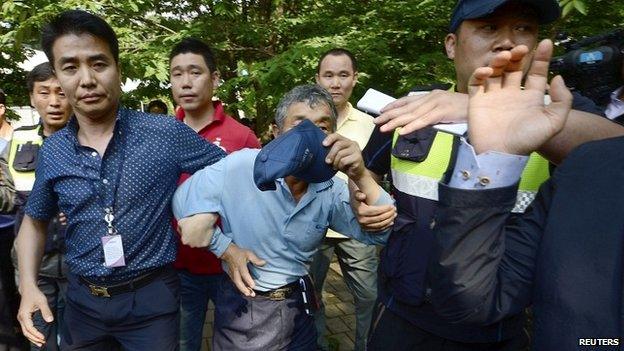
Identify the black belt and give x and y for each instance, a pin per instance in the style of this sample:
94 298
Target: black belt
116 289
281 293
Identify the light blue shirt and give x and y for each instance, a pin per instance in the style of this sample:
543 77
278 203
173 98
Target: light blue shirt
500 169
616 106
283 232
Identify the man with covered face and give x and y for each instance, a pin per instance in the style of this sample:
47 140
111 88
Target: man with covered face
270 305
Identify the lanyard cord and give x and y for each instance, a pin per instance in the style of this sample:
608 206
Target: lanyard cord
109 216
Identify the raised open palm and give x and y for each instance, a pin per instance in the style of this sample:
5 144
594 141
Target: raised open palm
506 118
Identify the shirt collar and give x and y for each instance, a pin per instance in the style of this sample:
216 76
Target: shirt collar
351 114
312 187
218 116
319 187
219 112
72 125
40 130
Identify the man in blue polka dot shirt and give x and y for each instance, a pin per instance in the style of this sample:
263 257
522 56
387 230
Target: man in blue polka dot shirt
113 172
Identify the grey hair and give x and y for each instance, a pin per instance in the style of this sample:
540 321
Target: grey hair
313 94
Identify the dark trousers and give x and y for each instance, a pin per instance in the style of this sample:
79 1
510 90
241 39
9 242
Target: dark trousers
260 324
145 319
9 299
195 293
391 332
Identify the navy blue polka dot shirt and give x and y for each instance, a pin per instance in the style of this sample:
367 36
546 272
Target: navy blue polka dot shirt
136 176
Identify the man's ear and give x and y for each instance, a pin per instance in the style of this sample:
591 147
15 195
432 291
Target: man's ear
2 110
275 130
216 79
355 78
450 42
119 73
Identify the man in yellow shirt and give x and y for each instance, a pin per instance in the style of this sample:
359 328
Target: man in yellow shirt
337 73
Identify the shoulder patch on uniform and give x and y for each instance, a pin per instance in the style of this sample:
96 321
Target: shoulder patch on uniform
34 126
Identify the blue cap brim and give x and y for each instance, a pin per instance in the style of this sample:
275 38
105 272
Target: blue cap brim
547 11
298 152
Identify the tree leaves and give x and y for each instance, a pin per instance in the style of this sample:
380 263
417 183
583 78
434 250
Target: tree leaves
569 5
399 44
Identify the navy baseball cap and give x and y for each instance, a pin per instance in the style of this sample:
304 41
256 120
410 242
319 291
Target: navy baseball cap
298 152
547 10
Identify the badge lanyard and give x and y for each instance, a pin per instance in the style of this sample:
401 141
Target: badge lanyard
111 242
109 218
109 215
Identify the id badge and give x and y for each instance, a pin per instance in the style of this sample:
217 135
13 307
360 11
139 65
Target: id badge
113 251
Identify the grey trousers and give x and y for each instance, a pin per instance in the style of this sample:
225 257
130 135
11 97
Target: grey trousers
358 263
260 324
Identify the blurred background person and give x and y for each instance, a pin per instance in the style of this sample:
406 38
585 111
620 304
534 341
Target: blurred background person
193 74
337 73
10 338
47 97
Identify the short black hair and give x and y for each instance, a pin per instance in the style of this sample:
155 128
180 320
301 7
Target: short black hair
337 52
78 22
195 46
2 97
40 73
157 104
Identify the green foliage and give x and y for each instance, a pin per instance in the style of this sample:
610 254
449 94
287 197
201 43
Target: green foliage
584 18
265 47
13 82
569 5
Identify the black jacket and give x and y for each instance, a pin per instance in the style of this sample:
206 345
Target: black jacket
565 256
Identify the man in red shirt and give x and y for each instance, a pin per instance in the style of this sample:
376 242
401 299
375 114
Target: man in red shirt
193 75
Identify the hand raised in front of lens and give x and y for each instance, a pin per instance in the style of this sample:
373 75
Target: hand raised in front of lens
504 117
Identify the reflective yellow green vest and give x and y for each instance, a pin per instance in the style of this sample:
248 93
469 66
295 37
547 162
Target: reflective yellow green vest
24 181
421 178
